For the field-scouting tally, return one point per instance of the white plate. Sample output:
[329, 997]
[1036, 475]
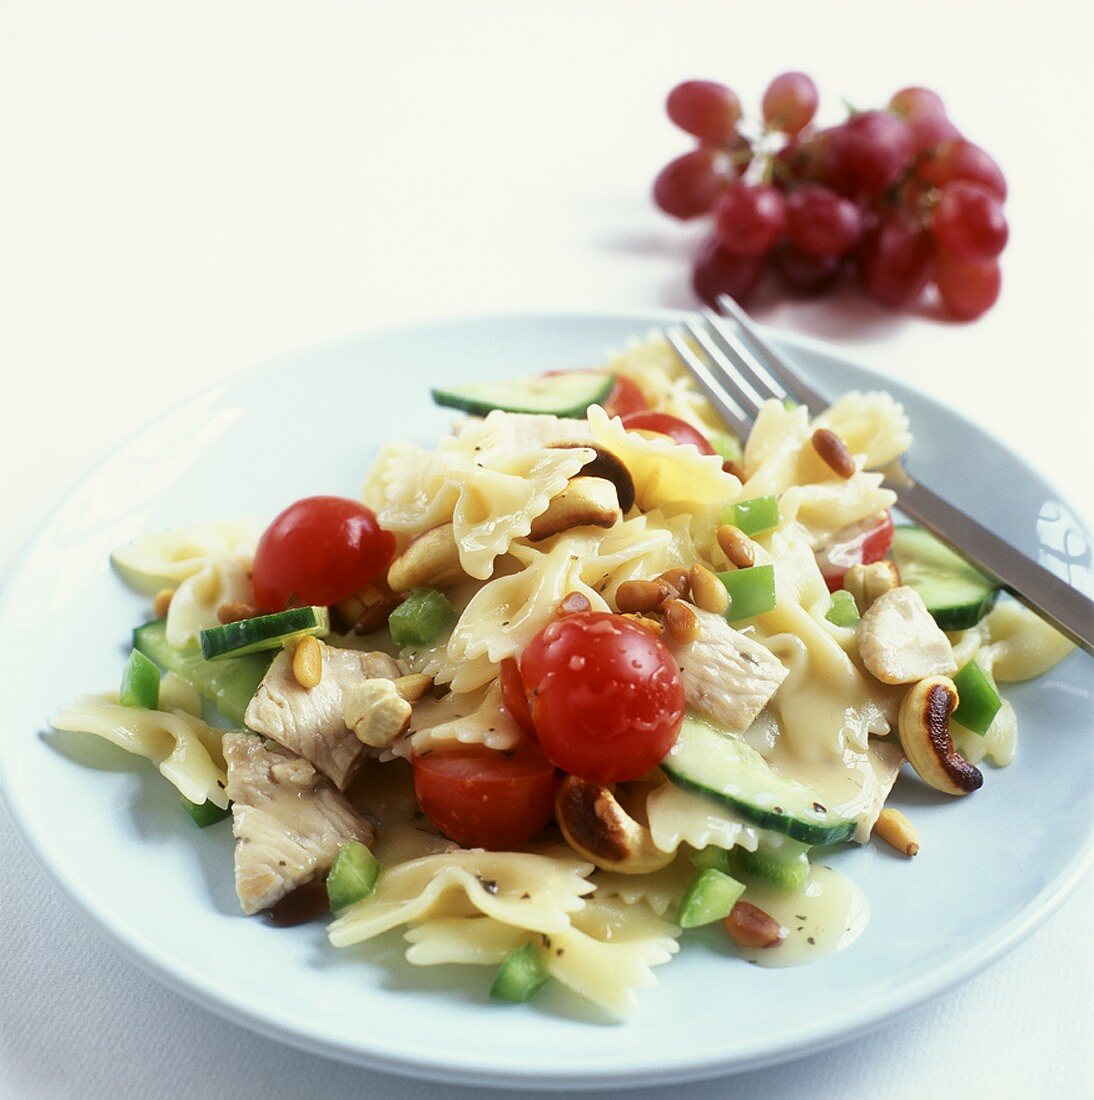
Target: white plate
[111, 832]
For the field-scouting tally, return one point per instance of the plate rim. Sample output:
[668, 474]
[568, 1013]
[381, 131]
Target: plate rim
[810, 1039]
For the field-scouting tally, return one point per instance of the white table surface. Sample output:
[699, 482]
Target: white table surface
[188, 189]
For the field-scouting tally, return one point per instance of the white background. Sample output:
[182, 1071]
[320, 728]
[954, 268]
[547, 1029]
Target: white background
[186, 189]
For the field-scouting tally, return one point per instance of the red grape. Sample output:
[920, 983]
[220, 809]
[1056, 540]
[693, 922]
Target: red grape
[961, 160]
[968, 289]
[917, 103]
[821, 222]
[705, 108]
[895, 261]
[930, 131]
[790, 103]
[720, 272]
[803, 273]
[869, 152]
[749, 218]
[968, 223]
[688, 185]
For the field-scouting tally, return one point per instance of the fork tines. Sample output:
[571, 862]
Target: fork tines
[736, 367]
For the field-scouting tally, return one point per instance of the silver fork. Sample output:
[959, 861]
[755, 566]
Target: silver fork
[738, 370]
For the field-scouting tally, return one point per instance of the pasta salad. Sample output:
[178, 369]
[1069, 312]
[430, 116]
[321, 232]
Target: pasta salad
[586, 675]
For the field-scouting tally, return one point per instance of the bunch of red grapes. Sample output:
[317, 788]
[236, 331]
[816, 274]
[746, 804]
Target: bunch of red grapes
[897, 195]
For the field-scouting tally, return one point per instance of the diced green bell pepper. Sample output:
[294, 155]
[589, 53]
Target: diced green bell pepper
[751, 591]
[421, 618]
[754, 516]
[843, 611]
[978, 701]
[140, 682]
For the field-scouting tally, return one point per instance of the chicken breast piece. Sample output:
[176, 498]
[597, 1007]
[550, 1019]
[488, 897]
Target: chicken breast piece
[899, 641]
[288, 820]
[727, 676]
[312, 721]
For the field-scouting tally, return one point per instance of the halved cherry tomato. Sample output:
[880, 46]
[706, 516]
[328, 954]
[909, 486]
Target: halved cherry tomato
[486, 799]
[680, 431]
[625, 399]
[858, 543]
[319, 551]
[513, 696]
[606, 696]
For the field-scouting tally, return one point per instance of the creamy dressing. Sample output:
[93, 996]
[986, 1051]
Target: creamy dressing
[827, 913]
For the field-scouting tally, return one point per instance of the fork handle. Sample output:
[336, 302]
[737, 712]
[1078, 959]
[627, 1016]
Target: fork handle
[1064, 606]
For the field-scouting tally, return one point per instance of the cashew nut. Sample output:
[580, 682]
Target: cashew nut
[598, 828]
[868, 582]
[376, 712]
[924, 724]
[432, 560]
[608, 466]
[585, 502]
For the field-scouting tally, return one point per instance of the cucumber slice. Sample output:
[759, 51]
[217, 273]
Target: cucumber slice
[754, 516]
[264, 632]
[520, 975]
[353, 875]
[229, 684]
[710, 897]
[205, 813]
[978, 701]
[786, 866]
[726, 768]
[140, 683]
[751, 591]
[421, 618]
[956, 593]
[566, 394]
[844, 610]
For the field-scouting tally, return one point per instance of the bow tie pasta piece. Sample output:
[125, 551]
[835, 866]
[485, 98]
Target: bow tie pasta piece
[677, 816]
[491, 479]
[162, 559]
[664, 472]
[604, 956]
[478, 718]
[825, 508]
[186, 751]
[871, 424]
[660, 891]
[826, 699]
[528, 891]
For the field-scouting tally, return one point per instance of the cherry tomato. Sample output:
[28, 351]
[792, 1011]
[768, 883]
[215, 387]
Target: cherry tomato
[513, 696]
[858, 543]
[607, 697]
[486, 799]
[319, 551]
[677, 430]
[625, 399]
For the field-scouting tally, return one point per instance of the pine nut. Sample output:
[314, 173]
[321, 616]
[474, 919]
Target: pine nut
[654, 626]
[833, 451]
[573, 603]
[749, 926]
[734, 468]
[236, 610]
[707, 591]
[681, 621]
[307, 663]
[897, 831]
[161, 603]
[366, 610]
[678, 580]
[736, 546]
[640, 595]
[414, 686]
